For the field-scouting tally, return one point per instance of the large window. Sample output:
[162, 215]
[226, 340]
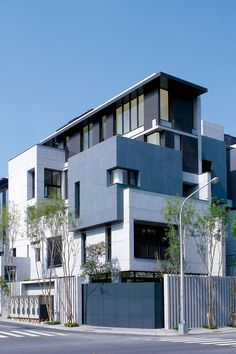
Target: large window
[54, 251]
[10, 273]
[130, 115]
[164, 105]
[103, 128]
[87, 137]
[123, 176]
[52, 183]
[149, 241]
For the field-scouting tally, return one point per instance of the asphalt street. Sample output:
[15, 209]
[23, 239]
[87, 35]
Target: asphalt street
[23, 338]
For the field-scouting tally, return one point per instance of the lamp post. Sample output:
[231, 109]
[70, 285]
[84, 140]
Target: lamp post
[183, 328]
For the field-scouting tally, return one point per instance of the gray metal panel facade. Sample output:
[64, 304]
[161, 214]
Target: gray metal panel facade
[196, 292]
[215, 151]
[160, 168]
[135, 305]
[101, 203]
[98, 203]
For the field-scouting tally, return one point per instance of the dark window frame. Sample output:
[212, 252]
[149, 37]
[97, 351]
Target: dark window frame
[127, 100]
[54, 252]
[77, 199]
[149, 240]
[108, 242]
[52, 185]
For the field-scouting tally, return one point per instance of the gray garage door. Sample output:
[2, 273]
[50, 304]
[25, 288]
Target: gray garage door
[129, 305]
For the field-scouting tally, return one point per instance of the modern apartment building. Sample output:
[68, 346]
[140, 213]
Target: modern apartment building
[116, 165]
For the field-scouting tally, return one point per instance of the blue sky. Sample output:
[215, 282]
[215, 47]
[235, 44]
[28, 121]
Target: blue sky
[59, 58]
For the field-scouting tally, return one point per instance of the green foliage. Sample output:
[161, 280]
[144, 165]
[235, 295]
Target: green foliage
[95, 261]
[9, 223]
[171, 216]
[52, 322]
[211, 326]
[73, 324]
[205, 226]
[233, 226]
[49, 216]
[3, 285]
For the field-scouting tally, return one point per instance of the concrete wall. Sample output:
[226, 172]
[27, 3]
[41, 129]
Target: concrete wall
[38, 158]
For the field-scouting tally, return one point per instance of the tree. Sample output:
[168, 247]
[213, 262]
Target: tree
[171, 216]
[51, 225]
[9, 231]
[206, 227]
[96, 261]
[233, 281]
[3, 285]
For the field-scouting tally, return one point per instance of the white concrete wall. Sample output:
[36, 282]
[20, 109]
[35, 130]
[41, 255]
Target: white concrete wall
[38, 158]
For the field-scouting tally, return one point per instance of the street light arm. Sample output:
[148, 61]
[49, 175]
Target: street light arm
[183, 329]
[213, 181]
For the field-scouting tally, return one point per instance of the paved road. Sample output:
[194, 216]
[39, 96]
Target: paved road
[21, 338]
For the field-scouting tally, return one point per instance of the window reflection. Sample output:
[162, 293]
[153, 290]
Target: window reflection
[130, 115]
[164, 105]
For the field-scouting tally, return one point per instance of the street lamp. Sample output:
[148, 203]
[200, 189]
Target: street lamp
[183, 328]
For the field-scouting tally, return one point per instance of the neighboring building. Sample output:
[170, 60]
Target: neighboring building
[3, 203]
[117, 164]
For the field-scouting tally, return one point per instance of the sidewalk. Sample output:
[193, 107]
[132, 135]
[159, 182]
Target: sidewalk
[124, 331]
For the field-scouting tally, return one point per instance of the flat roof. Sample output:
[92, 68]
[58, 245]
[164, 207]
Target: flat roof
[198, 90]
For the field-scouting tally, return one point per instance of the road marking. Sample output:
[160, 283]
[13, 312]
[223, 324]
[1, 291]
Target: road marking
[25, 333]
[11, 334]
[41, 333]
[57, 333]
[203, 341]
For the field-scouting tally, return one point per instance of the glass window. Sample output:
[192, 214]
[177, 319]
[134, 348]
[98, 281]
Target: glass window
[149, 241]
[85, 138]
[119, 124]
[140, 110]
[90, 137]
[37, 254]
[126, 118]
[83, 247]
[66, 184]
[54, 252]
[10, 273]
[103, 128]
[164, 105]
[134, 114]
[31, 184]
[52, 183]
[77, 199]
[154, 138]
[108, 243]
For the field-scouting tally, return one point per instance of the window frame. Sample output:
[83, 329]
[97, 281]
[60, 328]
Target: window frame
[48, 186]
